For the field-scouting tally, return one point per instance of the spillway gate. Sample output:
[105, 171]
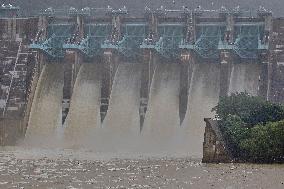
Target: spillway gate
[180, 36]
[159, 31]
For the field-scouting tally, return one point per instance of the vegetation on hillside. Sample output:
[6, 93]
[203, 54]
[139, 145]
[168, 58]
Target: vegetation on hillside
[252, 127]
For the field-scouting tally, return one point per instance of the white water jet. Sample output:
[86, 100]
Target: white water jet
[203, 96]
[245, 78]
[84, 112]
[46, 113]
[162, 117]
[121, 126]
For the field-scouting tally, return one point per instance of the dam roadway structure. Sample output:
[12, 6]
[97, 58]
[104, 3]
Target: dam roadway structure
[116, 84]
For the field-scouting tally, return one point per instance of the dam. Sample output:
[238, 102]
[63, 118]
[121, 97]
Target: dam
[100, 79]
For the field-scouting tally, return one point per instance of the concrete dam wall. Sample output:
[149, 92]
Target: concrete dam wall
[117, 84]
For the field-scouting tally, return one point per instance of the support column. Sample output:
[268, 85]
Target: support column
[108, 72]
[226, 56]
[264, 80]
[271, 68]
[116, 28]
[188, 61]
[150, 58]
[72, 63]
[78, 56]
[153, 20]
[110, 64]
[149, 65]
[268, 57]
[225, 72]
[42, 26]
[9, 28]
[186, 71]
[191, 27]
[229, 36]
[42, 33]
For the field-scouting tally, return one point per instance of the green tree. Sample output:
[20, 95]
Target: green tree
[252, 127]
[252, 110]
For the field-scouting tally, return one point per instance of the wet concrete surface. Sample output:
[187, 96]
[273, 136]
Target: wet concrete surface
[27, 169]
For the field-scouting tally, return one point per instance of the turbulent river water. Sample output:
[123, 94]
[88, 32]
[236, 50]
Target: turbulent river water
[33, 169]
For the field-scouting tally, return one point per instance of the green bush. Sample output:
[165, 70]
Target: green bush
[234, 130]
[252, 127]
[252, 110]
[265, 143]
